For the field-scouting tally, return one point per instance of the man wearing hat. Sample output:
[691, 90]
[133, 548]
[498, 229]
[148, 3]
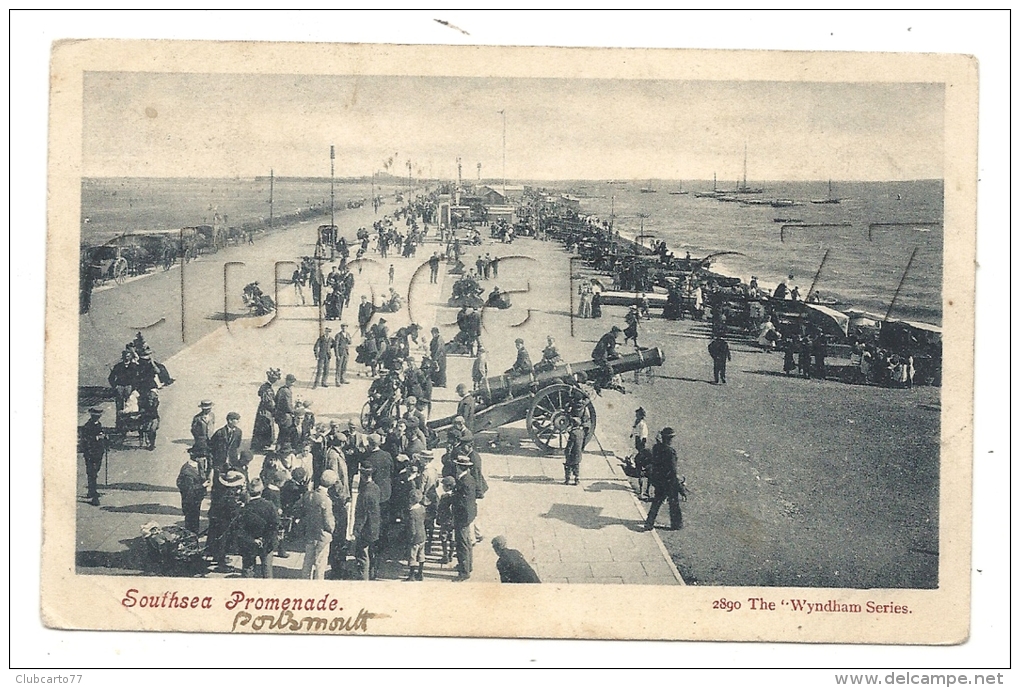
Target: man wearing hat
[94, 444]
[201, 428]
[511, 564]
[323, 351]
[367, 523]
[464, 512]
[122, 377]
[229, 492]
[382, 464]
[286, 433]
[191, 482]
[257, 532]
[522, 366]
[342, 348]
[319, 524]
[664, 479]
[225, 444]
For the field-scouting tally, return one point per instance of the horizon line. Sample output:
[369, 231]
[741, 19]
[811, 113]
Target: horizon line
[499, 182]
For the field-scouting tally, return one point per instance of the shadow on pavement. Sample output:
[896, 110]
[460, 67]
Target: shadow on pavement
[152, 509]
[526, 479]
[587, 517]
[140, 487]
[602, 486]
[134, 559]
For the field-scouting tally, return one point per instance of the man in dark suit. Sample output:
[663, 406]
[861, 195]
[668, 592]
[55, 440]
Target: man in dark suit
[225, 444]
[93, 447]
[719, 350]
[257, 532]
[365, 312]
[381, 462]
[665, 481]
[437, 352]
[342, 349]
[464, 512]
[191, 481]
[286, 434]
[201, 428]
[511, 564]
[522, 366]
[323, 351]
[367, 524]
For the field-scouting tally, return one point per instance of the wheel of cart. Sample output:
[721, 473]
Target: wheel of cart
[553, 412]
[369, 422]
[129, 424]
[119, 270]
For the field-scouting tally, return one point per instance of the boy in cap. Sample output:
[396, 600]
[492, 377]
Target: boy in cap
[94, 444]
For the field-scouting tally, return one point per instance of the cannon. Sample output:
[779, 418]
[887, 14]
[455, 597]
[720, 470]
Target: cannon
[550, 402]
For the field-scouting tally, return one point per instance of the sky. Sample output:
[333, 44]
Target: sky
[214, 125]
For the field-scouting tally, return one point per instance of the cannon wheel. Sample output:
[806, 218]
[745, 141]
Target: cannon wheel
[552, 413]
[119, 270]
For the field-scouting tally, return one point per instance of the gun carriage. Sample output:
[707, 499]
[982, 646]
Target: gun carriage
[550, 402]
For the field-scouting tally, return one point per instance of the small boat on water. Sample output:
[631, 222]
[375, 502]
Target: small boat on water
[830, 200]
[649, 188]
[783, 203]
[786, 221]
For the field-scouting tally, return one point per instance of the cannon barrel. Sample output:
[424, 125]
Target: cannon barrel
[503, 387]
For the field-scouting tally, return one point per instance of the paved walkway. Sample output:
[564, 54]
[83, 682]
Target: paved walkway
[584, 534]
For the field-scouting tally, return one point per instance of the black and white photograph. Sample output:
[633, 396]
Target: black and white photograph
[514, 322]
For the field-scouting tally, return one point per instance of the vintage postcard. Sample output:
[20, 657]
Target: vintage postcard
[509, 342]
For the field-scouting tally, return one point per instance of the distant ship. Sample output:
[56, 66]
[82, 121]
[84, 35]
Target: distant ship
[709, 194]
[743, 188]
[648, 189]
[679, 190]
[831, 199]
[784, 203]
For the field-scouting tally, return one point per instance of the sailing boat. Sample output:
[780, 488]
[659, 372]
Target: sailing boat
[743, 188]
[830, 199]
[709, 194]
[648, 189]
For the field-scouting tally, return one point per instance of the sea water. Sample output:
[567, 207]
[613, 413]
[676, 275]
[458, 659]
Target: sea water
[882, 241]
[880, 246]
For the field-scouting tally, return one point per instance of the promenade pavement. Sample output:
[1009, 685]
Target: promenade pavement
[571, 534]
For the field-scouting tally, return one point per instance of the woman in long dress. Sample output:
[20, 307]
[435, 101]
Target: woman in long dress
[262, 434]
